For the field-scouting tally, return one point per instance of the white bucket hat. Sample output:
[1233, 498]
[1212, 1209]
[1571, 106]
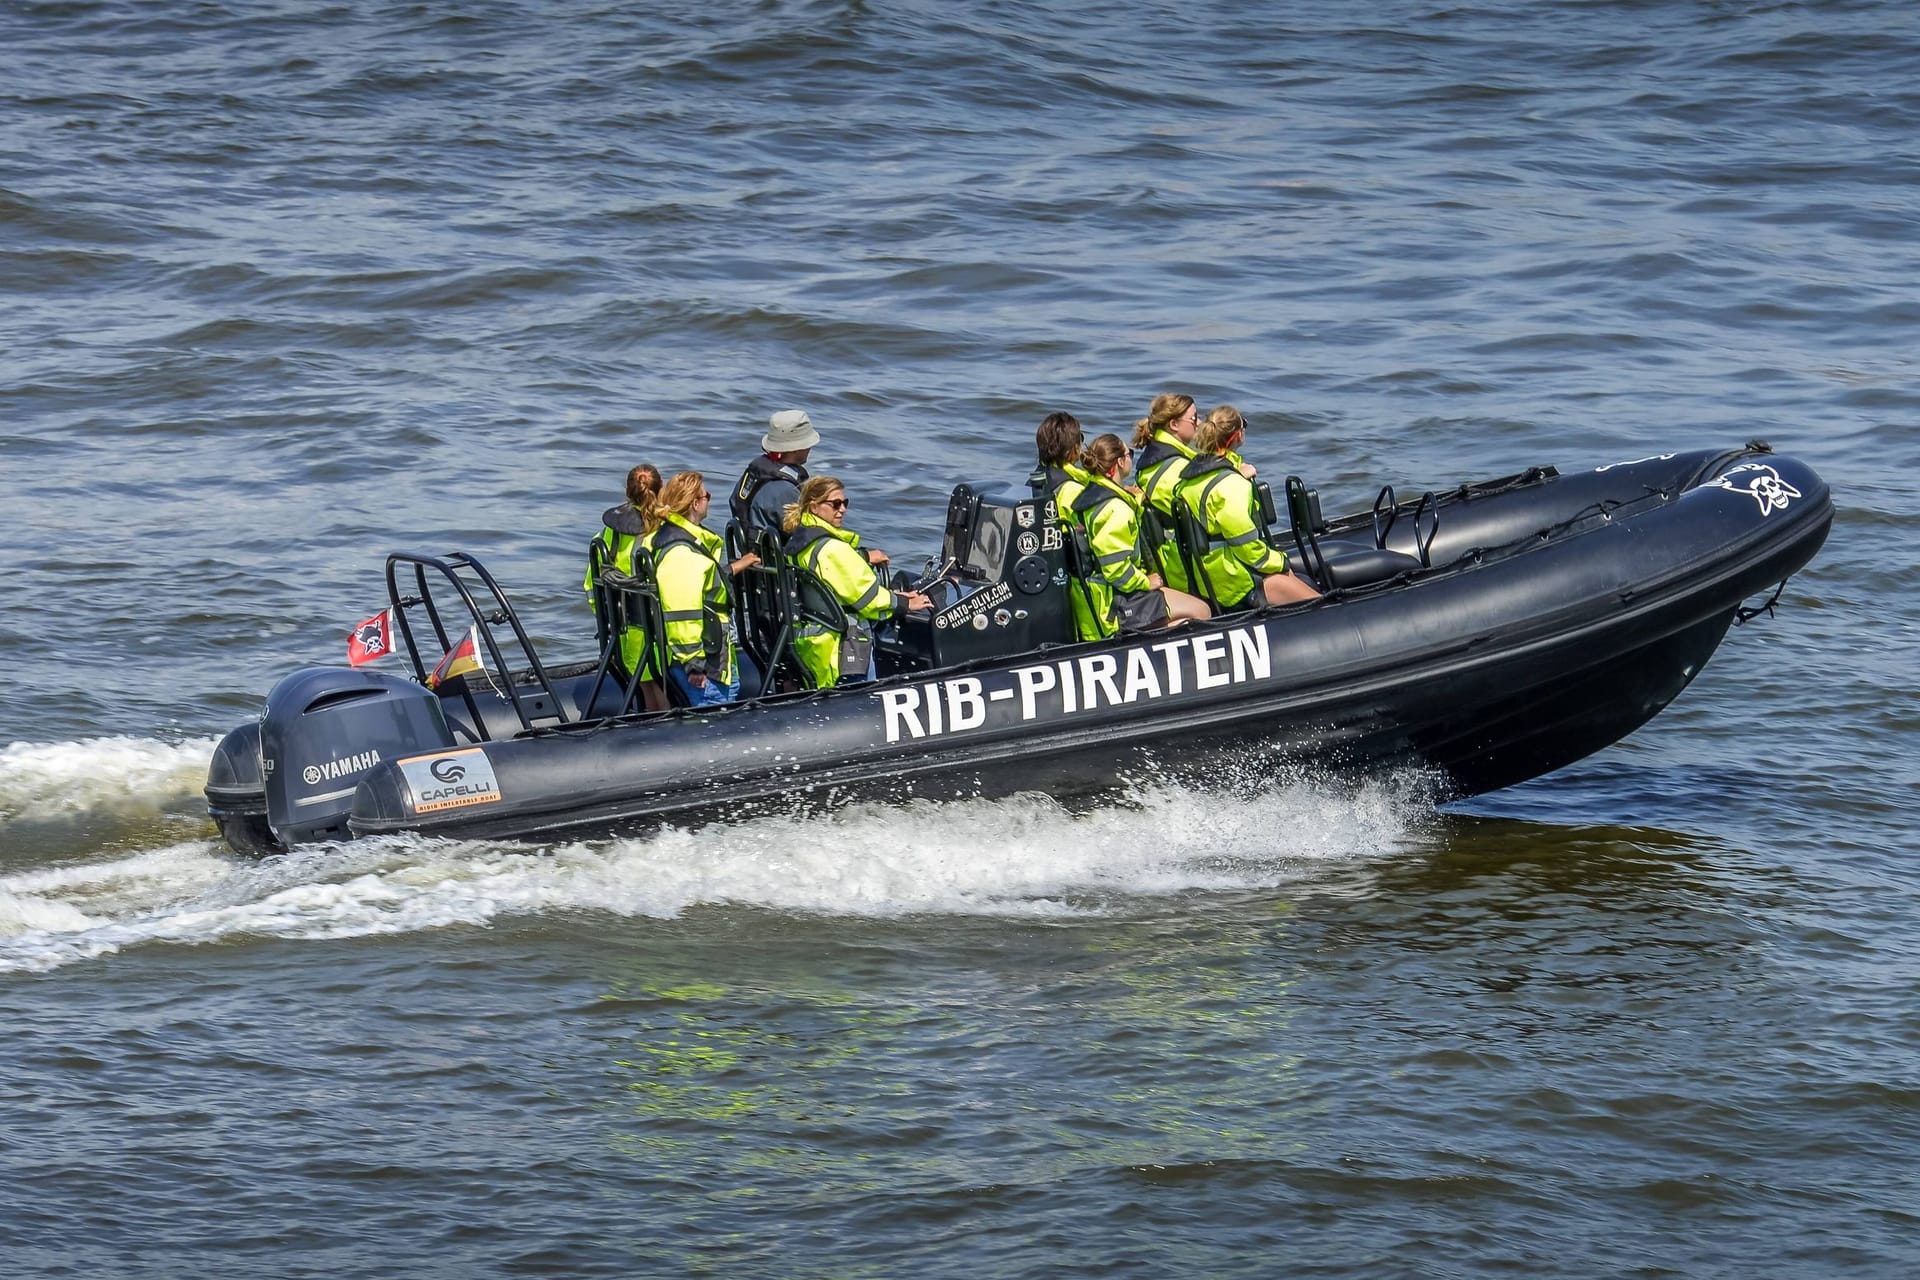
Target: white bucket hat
[789, 431]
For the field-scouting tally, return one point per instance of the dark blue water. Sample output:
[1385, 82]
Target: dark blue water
[285, 288]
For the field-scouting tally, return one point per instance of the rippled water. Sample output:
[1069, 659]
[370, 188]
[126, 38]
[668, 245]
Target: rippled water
[286, 288]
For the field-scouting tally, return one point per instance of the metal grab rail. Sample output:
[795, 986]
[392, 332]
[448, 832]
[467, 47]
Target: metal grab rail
[1386, 510]
[451, 568]
[1360, 567]
[1429, 510]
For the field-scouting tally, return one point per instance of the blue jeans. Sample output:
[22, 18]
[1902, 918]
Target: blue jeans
[711, 694]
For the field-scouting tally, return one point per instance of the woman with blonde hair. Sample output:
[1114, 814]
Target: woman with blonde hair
[1239, 569]
[694, 577]
[1227, 418]
[819, 542]
[1162, 438]
[1127, 595]
[1162, 441]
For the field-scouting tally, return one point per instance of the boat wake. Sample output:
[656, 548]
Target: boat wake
[1021, 856]
[50, 781]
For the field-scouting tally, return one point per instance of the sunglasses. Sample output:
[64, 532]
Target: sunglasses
[838, 504]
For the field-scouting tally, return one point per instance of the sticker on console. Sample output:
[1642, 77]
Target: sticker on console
[450, 780]
[963, 611]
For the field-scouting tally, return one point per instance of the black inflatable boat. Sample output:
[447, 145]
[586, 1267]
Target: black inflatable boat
[1489, 634]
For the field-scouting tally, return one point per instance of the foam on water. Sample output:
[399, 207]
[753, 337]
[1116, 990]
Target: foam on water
[42, 780]
[1021, 856]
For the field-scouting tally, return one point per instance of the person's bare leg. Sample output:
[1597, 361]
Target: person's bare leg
[1284, 588]
[1184, 608]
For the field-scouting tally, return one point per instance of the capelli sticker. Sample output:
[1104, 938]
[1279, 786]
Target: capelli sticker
[450, 780]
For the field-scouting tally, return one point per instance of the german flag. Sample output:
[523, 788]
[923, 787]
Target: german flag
[462, 658]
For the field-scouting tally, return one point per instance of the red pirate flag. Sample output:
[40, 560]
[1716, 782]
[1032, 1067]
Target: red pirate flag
[370, 641]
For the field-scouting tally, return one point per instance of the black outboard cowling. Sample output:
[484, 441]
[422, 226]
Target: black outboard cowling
[237, 792]
[322, 729]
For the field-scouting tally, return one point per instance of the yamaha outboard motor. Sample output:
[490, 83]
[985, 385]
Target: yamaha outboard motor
[290, 778]
[237, 793]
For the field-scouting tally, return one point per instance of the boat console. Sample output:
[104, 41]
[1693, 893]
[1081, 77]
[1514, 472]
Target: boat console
[999, 587]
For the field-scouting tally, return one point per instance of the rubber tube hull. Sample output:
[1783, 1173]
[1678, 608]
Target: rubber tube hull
[1568, 612]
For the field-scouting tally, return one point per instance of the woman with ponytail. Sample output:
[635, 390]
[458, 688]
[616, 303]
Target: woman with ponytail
[1162, 441]
[1240, 570]
[1226, 419]
[1126, 595]
[622, 527]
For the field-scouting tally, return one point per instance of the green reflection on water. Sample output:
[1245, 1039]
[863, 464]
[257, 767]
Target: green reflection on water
[1058, 1051]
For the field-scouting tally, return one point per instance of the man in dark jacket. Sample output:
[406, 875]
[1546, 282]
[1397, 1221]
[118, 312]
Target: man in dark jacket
[772, 481]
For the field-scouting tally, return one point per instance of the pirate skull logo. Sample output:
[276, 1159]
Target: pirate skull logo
[372, 637]
[1760, 482]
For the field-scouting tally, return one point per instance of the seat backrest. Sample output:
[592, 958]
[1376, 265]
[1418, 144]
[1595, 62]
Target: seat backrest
[772, 600]
[738, 541]
[627, 598]
[1191, 537]
[645, 607]
[805, 601]
[1079, 550]
[1156, 534]
[620, 593]
[1302, 507]
[1082, 568]
[605, 605]
[759, 600]
[814, 601]
[1264, 511]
